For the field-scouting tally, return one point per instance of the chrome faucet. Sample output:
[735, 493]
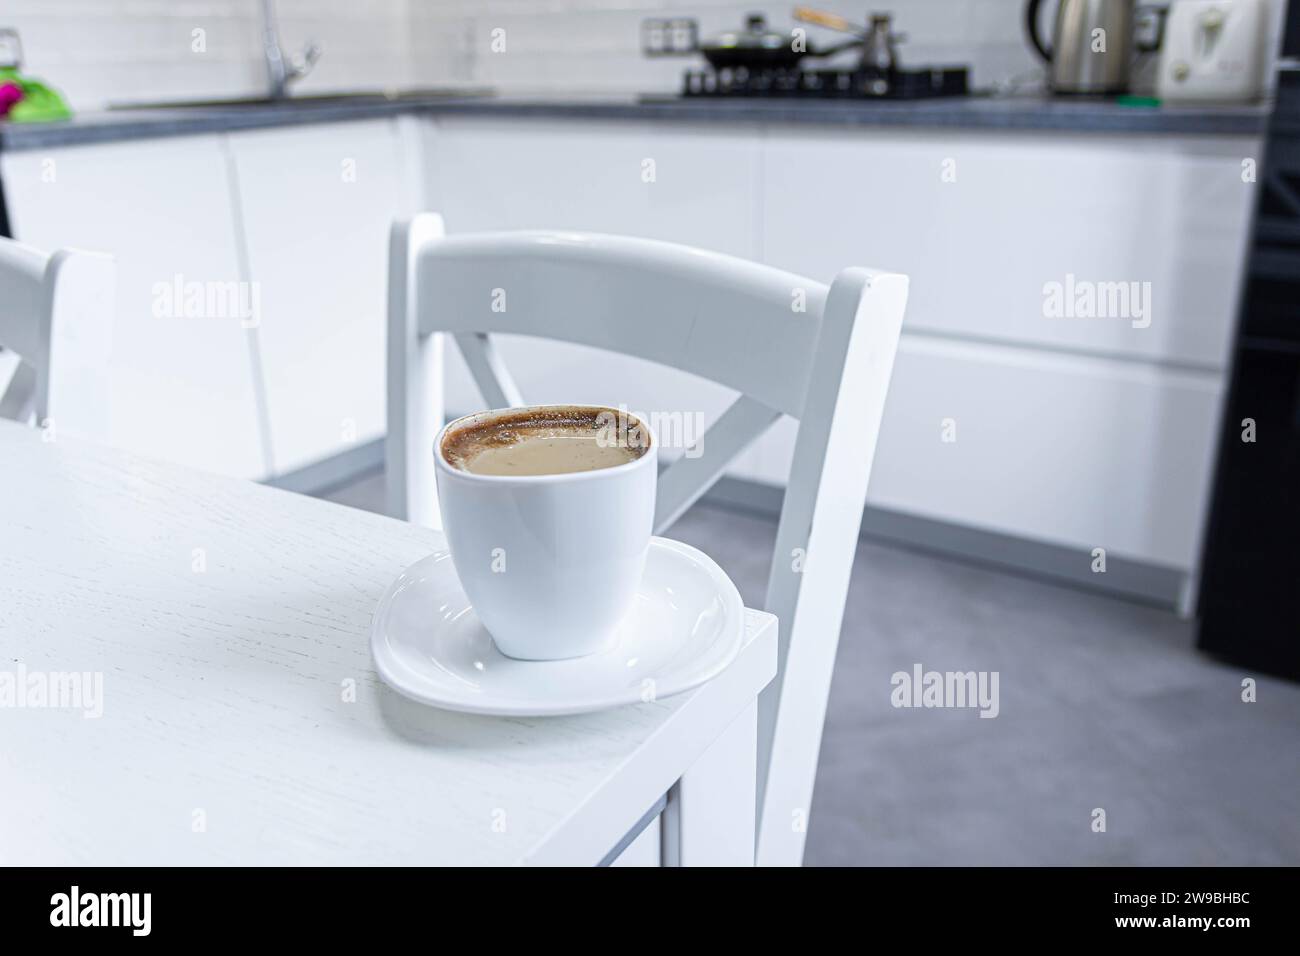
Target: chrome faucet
[279, 73]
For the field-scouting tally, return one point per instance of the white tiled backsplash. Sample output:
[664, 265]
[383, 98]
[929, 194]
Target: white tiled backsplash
[99, 51]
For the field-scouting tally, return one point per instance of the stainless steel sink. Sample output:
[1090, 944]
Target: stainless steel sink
[308, 101]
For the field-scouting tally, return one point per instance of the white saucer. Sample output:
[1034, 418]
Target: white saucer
[686, 626]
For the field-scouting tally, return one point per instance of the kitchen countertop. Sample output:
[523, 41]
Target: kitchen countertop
[974, 112]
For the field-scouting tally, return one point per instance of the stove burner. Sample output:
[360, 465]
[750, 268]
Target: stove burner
[828, 84]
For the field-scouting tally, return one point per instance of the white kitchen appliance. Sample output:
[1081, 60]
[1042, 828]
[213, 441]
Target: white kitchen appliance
[1213, 50]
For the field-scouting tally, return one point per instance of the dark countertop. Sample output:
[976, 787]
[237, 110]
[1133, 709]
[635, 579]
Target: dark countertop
[970, 113]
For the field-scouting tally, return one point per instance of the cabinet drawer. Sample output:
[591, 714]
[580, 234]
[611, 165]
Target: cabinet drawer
[984, 223]
[1076, 451]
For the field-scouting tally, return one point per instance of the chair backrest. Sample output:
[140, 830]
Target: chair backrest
[788, 345]
[56, 319]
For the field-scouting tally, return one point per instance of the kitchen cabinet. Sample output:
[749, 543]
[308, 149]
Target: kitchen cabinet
[182, 386]
[316, 204]
[1080, 430]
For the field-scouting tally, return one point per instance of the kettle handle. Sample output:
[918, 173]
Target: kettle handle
[1031, 29]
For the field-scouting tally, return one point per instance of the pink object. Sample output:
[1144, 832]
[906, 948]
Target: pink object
[10, 93]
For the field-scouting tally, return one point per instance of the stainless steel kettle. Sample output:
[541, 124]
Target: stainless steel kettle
[1092, 44]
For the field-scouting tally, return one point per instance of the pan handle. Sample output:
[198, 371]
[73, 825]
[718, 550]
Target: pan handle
[830, 21]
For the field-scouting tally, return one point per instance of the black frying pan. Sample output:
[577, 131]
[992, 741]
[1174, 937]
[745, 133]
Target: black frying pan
[758, 48]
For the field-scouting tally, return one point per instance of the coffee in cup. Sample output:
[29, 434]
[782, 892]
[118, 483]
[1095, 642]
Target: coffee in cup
[552, 440]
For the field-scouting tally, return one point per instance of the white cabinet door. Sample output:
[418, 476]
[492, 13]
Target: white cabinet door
[686, 184]
[1073, 450]
[182, 384]
[984, 222]
[317, 203]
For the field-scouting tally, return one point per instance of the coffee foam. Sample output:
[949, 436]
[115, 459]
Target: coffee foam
[463, 443]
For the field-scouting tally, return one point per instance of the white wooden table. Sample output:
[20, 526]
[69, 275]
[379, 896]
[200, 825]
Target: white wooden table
[242, 721]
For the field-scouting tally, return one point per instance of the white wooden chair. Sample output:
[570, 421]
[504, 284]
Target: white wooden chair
[721, 318]
[56, 317]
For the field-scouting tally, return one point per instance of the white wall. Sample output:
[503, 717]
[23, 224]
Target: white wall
[98, 51]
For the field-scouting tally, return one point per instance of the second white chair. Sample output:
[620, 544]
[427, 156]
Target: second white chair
[56, 319]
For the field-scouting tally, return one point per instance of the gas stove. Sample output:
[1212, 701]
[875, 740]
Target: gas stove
[760, 62]
[798, 83]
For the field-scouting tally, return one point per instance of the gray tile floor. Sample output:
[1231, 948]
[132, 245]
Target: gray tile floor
[1103, 704]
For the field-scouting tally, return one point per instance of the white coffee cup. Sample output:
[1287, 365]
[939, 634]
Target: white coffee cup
[551, 563]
